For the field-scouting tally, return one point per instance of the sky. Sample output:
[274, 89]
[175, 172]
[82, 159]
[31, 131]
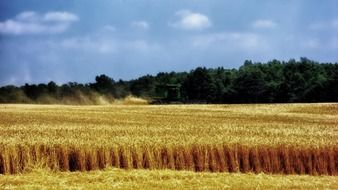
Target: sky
[75, 40]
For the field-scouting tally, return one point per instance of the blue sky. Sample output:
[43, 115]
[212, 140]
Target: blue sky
[75, 40]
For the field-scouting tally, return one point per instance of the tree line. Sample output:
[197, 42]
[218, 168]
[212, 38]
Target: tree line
[276, 81]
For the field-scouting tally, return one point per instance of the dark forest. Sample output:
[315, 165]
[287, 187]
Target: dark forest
[276, 81]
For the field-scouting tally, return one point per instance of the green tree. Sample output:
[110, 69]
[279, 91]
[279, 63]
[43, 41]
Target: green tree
[199, 86]
[250, 84]
[104, 85]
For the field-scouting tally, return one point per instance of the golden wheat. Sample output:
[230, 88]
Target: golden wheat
[275, 138]
[161, 179]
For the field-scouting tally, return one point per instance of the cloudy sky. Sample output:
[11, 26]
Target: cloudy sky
[75, 40]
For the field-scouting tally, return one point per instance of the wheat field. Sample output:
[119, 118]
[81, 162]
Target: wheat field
[113, 178]
[269, 138]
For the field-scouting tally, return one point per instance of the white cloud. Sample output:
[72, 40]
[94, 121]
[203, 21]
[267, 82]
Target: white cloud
[311, 44]
[90, 44]
[264, 24]
[325, 25]
[15, 27]
[107, 44]
[233, 40]
[30, 22]
[140, 24]
[109, 28]
[60, 17]
[188, 20]
[27, 16]
[140, 46]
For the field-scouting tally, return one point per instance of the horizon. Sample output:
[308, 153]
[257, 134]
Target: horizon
[64, 41]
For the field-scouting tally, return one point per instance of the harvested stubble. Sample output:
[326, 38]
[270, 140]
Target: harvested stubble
[218, 138]
[113, 178]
